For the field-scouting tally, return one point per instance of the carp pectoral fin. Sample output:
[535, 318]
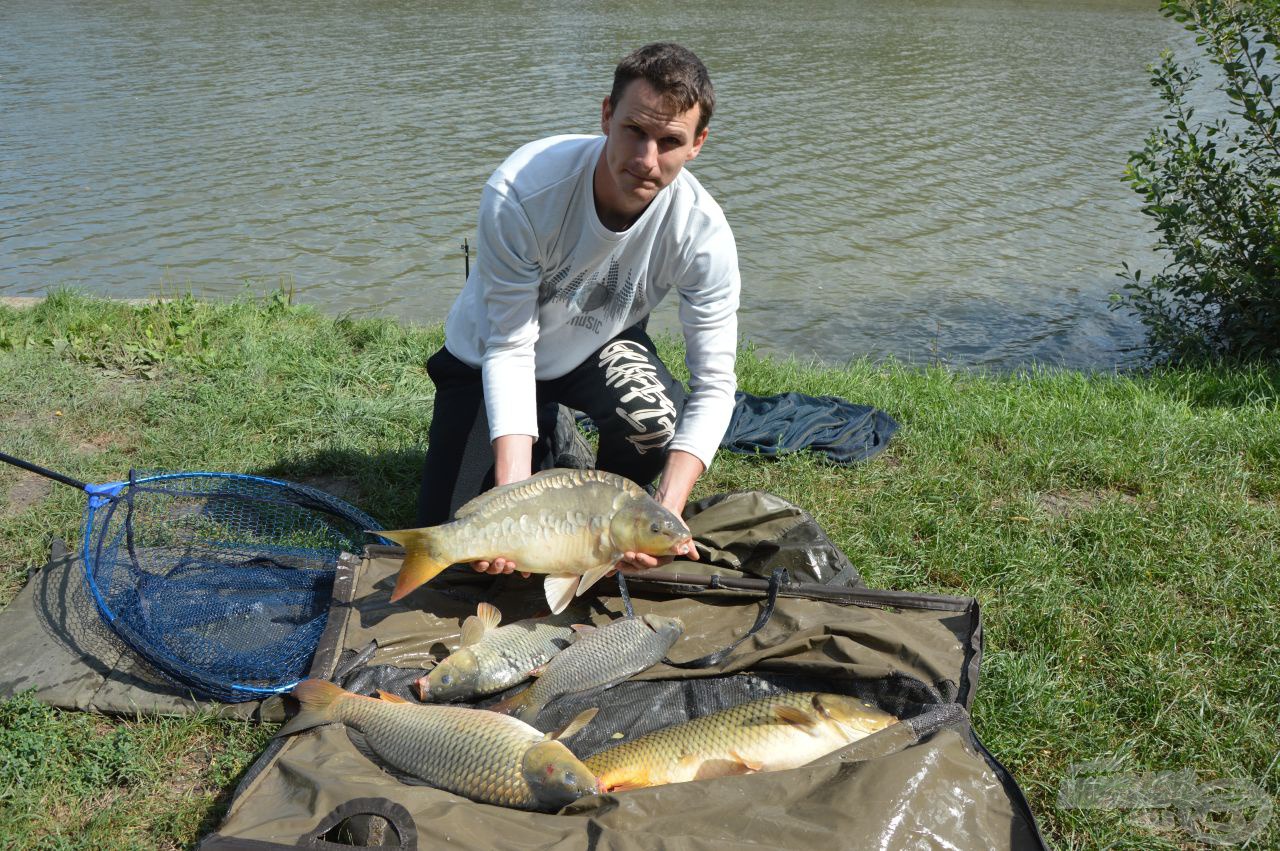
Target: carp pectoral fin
[487, 617]
[472, 631]
[391, 698]
[710, 769]
[581, 720]
[625, 779]
[559, 588]
[746, 761]
[581, 629]
[592, 576]
[511, 705]
[489, 614]
[795, 717]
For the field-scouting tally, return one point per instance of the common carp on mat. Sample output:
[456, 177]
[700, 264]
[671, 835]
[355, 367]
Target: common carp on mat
[482, 755]
[767, 734]
[602, 657]
[492, 658]
[572, 525]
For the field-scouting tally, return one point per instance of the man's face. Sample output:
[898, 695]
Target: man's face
[647, 144]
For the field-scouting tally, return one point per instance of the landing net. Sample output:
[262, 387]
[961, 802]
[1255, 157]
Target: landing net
[220, 581]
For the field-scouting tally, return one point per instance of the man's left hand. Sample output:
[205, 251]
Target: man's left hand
[640, 562]
[678, 476]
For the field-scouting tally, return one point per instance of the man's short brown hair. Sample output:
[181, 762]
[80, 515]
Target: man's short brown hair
[675, 72]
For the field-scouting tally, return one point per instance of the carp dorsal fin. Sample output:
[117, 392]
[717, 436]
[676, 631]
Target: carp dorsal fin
[391, 698]
[579, 721]
[622, 483]
[592, 576]
[487, 617]
[559, 588]
[474, 504]
[538, 482]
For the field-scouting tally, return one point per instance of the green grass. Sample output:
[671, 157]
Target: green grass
[1120, 532]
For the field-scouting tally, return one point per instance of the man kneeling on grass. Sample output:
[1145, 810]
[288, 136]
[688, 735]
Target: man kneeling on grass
[579, 238]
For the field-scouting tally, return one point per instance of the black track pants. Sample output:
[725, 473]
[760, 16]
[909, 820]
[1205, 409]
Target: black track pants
[629, 393]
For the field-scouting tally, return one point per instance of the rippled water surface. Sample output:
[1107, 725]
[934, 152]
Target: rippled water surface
[922, 178]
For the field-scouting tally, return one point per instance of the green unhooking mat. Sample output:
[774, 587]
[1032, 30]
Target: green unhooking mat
[924, 783]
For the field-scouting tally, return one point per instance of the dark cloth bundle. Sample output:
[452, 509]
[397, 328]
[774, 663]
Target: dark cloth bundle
[788, 422]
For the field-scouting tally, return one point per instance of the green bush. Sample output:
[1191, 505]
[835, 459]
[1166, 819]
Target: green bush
[1211, 187]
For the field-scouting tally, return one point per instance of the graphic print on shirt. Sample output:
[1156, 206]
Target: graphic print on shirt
[587, 293]
[626, 365]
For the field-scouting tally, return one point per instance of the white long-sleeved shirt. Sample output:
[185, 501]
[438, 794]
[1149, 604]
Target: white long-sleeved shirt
[551, 285]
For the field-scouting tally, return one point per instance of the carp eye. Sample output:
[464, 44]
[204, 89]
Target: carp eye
[655, 528]
[447, 679]
[569, 779]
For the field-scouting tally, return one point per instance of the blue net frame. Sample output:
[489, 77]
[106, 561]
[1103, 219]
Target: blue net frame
[221, 581]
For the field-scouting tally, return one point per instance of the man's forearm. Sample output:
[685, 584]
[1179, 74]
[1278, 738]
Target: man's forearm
[678, 478]
[513, 458]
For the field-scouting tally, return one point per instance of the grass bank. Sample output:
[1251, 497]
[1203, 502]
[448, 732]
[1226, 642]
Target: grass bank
[1120, 531]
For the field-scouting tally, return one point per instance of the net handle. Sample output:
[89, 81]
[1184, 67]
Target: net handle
[42, 471]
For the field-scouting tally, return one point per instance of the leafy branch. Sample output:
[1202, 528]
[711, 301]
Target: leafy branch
[1212, 192]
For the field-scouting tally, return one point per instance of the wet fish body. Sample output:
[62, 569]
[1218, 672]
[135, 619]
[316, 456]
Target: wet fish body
[602, 657]
[492, 658]
[482, 755]
[572, 525]
[768, 734]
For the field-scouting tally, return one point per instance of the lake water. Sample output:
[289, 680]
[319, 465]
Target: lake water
[918, 178]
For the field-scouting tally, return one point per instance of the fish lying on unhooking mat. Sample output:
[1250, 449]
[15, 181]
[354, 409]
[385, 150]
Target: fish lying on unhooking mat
[573, 525]
[604, 656]
[492, 658]
[768, 734]
[481, 755]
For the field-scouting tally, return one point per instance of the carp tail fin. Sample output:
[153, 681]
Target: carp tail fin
[422, 559]
[317, 698]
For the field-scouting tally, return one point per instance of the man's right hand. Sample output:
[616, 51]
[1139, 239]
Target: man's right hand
[498, 565]
[512, 462]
